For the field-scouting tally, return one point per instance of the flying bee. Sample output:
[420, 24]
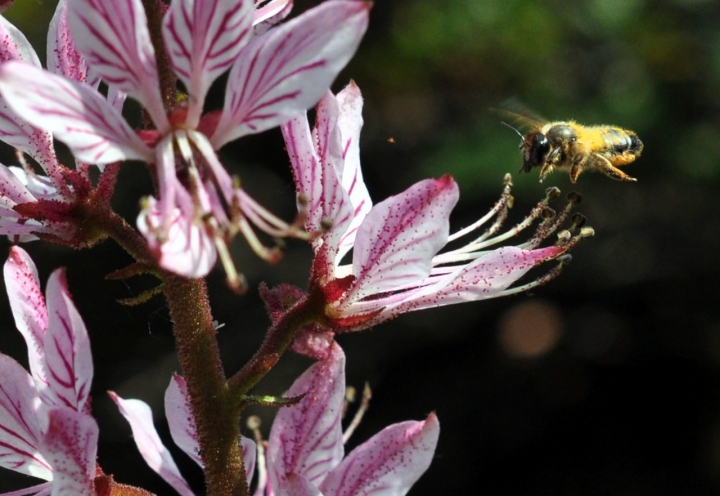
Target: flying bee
[567, 145]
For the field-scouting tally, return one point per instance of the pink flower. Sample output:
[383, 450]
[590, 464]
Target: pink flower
[396, 265]
[271, 77]
[182, 429]
[45, 427]
[21, 186]
[305, 451]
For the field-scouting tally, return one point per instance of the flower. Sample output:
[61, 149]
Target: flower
[182, 429]
[396, 265]
[45, 427]
[271, 76]
[305, 454]
[34, 205]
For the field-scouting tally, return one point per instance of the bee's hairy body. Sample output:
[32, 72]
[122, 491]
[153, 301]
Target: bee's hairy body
[567, 145]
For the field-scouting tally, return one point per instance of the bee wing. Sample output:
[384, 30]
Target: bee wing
[519, 115]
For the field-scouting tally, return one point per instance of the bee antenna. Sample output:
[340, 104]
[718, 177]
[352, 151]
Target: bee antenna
[518, 132]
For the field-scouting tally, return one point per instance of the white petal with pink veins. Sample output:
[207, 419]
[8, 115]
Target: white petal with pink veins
[28, 308]
[14, 45]
[13, 129]
[75, 113]
[20, 433]
[62, 55]
[71, 446]
[154, 453]
[388, 464]
[398, 238]
[203, 39]
[484, 278]
[350, 123]
[270, 14]
[306, 438]
[67, 349]
[113, 37]
[184, 248]
[288, 69]
[297, 485]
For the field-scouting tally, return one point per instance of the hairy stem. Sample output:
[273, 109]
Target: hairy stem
[215, 415]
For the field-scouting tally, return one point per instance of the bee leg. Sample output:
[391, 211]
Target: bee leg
[603, 165]
[578, 166]
[545, 171]
[575, 171]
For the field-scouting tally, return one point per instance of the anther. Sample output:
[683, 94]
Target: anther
[578, 220]
[563, 237]
[574, 197]
[587, 232]
[564, 259]
[548, 213]
[507, 180]
[552, 192]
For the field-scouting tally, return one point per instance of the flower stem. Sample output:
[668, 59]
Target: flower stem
[216, 415]
[216, 418]
[277, 340]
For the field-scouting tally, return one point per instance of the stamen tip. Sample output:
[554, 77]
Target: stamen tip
[564, 237]
[587, 232]
[552, 192]
[507, 180]
[574, 197]
[253, 422]
[564, 259]
[578, 220]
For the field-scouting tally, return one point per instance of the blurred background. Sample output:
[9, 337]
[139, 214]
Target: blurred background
[606, 380]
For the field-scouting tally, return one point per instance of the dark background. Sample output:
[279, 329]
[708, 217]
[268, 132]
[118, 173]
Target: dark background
[605, 381]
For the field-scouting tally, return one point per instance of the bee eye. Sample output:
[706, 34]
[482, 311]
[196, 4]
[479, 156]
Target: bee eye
[540, 150]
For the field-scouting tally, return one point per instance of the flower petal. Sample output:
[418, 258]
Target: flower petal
[20, 432]
[398, 238]
[289, 68]
[13, 129]
[71, 445]
[75, 113]
[297, 485]
[203, 39]
[350, 123]
[306, 438]
[67, 349]
[28, 308]
[483, 278]
[180, 418]
[138, 414]
[388, 464]
[270, 14]
[182, 425]
[62, 53]
[317, 180]
[184, 248]
[113, 37]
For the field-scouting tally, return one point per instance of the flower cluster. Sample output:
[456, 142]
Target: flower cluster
[402, 256]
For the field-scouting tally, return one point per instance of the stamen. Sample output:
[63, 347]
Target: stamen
[253, 423]
[364, 405]
[500, 206]
[236, 281]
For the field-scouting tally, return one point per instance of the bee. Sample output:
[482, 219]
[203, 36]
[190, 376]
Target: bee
[567, 145]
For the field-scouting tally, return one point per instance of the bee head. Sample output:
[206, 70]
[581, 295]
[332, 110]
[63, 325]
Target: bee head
[535, 149]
